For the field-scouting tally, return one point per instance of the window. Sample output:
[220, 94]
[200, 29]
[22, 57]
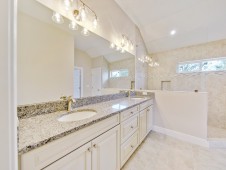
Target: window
[119, 73]
[202, 66]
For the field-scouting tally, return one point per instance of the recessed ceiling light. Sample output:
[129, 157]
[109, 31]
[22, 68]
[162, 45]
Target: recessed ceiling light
[173, 32]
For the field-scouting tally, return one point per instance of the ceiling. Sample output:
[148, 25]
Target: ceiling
[195, 21]
[93, 44]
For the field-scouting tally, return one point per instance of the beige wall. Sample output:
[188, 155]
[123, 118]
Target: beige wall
[212, 82]
[83, 60]
[122, 82]
[45, 61]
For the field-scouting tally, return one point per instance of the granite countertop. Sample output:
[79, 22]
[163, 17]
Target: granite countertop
[42, 129]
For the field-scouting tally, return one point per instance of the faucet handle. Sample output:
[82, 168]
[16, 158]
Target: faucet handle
[63, 97]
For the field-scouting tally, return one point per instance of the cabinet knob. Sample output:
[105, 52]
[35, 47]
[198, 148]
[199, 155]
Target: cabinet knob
[148, 110]
[95, 145]
[132, 127]
[131, 113]
[132, 146]
[89, 149]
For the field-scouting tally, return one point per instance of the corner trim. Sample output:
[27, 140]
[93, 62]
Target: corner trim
[182, 136]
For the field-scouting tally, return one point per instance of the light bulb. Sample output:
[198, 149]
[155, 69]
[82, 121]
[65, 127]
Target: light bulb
[95, 23]
[122, 50]
[83, 13]
[123, 41]
[118, 48]
[85, 32]
[112, 46]
[57, 18]
[73, 25]
[67, 4]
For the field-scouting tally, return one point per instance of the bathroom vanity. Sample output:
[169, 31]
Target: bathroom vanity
[104, 141]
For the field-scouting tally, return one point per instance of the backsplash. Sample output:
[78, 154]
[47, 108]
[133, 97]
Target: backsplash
[25, 111]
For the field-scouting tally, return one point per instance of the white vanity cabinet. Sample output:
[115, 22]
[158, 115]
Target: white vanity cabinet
[80, 159]
[96, 147]
[150, 113]
[146, 119]
[100, 154]
[106, 151]
[143, 124]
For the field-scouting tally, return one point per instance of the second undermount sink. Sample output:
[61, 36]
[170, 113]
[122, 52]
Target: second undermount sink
[77, 115]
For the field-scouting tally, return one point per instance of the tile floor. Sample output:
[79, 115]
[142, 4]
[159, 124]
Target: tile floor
[160, 152]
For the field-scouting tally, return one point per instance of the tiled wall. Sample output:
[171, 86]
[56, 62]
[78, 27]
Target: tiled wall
[212, 82]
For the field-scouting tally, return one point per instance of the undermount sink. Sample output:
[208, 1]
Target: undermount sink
[77, 115]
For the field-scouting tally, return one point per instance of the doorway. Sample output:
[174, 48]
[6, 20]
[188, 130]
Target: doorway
[96, 81]
[78, 85]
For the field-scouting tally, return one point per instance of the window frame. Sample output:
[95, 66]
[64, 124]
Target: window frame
[200, 66]
[119, 71]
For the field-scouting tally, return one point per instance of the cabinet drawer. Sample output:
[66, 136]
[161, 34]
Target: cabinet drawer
[129, 113]
[128, 127]
[146, 104]
[129, 147]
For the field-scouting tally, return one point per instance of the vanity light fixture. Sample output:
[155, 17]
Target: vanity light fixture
[149, 61]
[95, 22]
[73, 25]
[123, 50]
[112, 45]
[83, 12]
[85, 32]
[57, 18]
[68, 4]
[118, 48]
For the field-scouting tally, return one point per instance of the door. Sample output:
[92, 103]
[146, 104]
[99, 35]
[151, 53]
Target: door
[106, 151]
[143, 124]
[80, 159]
[77, 82]
[96, 81]
[149, 118]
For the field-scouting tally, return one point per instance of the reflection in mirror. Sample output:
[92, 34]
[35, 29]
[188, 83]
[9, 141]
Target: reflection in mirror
[54, 61]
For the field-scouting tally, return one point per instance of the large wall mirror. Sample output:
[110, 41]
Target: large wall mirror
[54, 61]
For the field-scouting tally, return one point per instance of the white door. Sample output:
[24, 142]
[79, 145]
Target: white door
[106, 151]
[80, 159]
[96, 81]
[143, 124]
[77, 82]
[149, 118]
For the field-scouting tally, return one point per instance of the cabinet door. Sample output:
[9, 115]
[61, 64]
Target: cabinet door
[105, 152]
[80, 159]
[143, 124]
[149, 118]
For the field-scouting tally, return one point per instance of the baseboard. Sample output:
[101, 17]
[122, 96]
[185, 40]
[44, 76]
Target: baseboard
[219, 143]
[182, 136]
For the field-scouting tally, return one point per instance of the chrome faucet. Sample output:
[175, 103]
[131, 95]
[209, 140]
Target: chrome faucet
[70, 101]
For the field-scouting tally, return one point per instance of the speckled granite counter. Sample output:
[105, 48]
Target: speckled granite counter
[42, 129]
